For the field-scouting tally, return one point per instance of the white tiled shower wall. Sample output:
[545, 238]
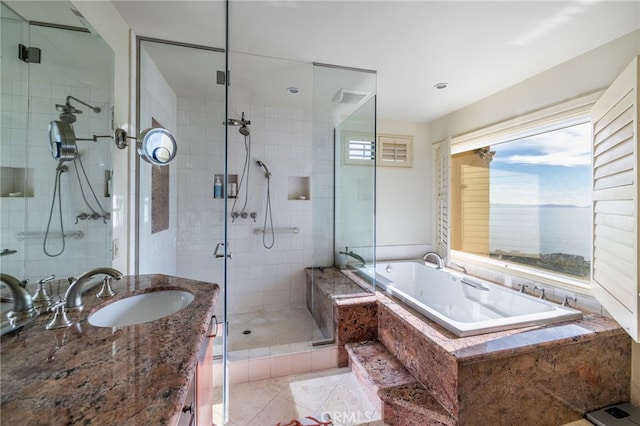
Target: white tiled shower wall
[283, 138]
[28, 105]
[94, 248]
[159, 102]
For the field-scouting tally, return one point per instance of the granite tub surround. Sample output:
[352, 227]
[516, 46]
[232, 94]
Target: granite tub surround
[548, 375]
[324, 285]
[129, 375]
[356, 321]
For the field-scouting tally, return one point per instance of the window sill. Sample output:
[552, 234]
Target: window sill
[509, 270]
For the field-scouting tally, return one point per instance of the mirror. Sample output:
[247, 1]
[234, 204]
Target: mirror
[62, 141]
[157, 146]
[72, 82]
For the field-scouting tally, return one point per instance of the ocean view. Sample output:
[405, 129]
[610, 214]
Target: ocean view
[534, 229]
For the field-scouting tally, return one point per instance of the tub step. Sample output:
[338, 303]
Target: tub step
[402, 400]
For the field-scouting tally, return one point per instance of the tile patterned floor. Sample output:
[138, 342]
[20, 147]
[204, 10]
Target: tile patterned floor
[267, 402]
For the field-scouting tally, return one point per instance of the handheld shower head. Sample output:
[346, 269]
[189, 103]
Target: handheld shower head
[267, 174]
[244, 130]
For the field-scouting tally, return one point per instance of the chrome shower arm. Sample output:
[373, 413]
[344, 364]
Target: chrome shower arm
[95, 109]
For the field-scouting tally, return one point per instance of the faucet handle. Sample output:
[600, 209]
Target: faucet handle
[566, 300]
[60, 318]
[106, 292]
[542, 292]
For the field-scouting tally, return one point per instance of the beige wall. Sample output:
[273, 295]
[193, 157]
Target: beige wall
[588, 73]
[403, 199]
[104, 18]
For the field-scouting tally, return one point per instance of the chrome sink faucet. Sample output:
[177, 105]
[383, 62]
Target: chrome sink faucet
[439, 261]
[22, 303]
[73, 296]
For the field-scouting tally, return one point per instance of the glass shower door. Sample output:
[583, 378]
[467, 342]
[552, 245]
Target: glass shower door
[181, 217]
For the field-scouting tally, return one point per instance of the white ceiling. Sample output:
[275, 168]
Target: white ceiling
[478, 47]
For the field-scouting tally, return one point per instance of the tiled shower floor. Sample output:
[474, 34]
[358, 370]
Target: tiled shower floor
[271, 328]
[280, 344]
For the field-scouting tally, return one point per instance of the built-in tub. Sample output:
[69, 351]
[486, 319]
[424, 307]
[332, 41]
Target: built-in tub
[464, 305]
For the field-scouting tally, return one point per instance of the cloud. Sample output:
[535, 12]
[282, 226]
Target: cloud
[570, 147]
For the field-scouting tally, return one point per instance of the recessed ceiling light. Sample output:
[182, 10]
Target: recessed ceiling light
[441, 86]
[293, 90]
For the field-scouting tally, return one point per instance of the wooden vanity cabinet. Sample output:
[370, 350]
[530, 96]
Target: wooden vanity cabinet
[204, 378]
[198, 406]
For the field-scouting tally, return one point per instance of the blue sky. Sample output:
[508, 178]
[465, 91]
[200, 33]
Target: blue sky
[550, 168]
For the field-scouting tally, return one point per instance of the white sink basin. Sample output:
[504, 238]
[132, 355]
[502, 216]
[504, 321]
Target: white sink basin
[141, 308]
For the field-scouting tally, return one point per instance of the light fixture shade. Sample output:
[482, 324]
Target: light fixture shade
[62, 141]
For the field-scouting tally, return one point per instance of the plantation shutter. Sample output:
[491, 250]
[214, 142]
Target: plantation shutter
[615, 200]
[395, 151]
[441, 159]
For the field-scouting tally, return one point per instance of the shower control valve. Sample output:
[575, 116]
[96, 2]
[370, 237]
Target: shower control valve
[253, 216]
[244, 215]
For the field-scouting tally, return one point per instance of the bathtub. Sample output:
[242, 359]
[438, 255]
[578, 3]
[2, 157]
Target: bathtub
[464, 305]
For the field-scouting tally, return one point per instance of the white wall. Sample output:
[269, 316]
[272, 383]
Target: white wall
[404, 199]
[159, 102]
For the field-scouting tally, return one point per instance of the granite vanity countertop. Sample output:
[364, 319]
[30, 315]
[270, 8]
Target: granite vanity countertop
[133, 375]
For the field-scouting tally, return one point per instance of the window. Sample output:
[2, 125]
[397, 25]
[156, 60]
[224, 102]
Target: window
[527, 201]
[359, 148]
[519, 196]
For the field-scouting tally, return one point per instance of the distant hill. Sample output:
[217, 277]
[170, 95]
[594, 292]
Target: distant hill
[539, 205]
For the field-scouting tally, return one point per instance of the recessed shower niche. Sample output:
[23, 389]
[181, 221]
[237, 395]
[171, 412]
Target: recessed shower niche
[16, 182]
[228, 186]
[299, 188]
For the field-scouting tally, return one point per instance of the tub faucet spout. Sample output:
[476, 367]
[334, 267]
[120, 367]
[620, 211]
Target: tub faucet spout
[354, 255]
[436, 256]
[22, 303]
[73, 296]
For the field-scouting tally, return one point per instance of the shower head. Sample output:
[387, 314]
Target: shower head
[68, 117]
[68, 111]
[267, 174]
[244, 130]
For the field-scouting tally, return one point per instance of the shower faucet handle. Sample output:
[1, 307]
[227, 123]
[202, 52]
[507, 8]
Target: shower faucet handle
[216, 253]
[253, 216]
